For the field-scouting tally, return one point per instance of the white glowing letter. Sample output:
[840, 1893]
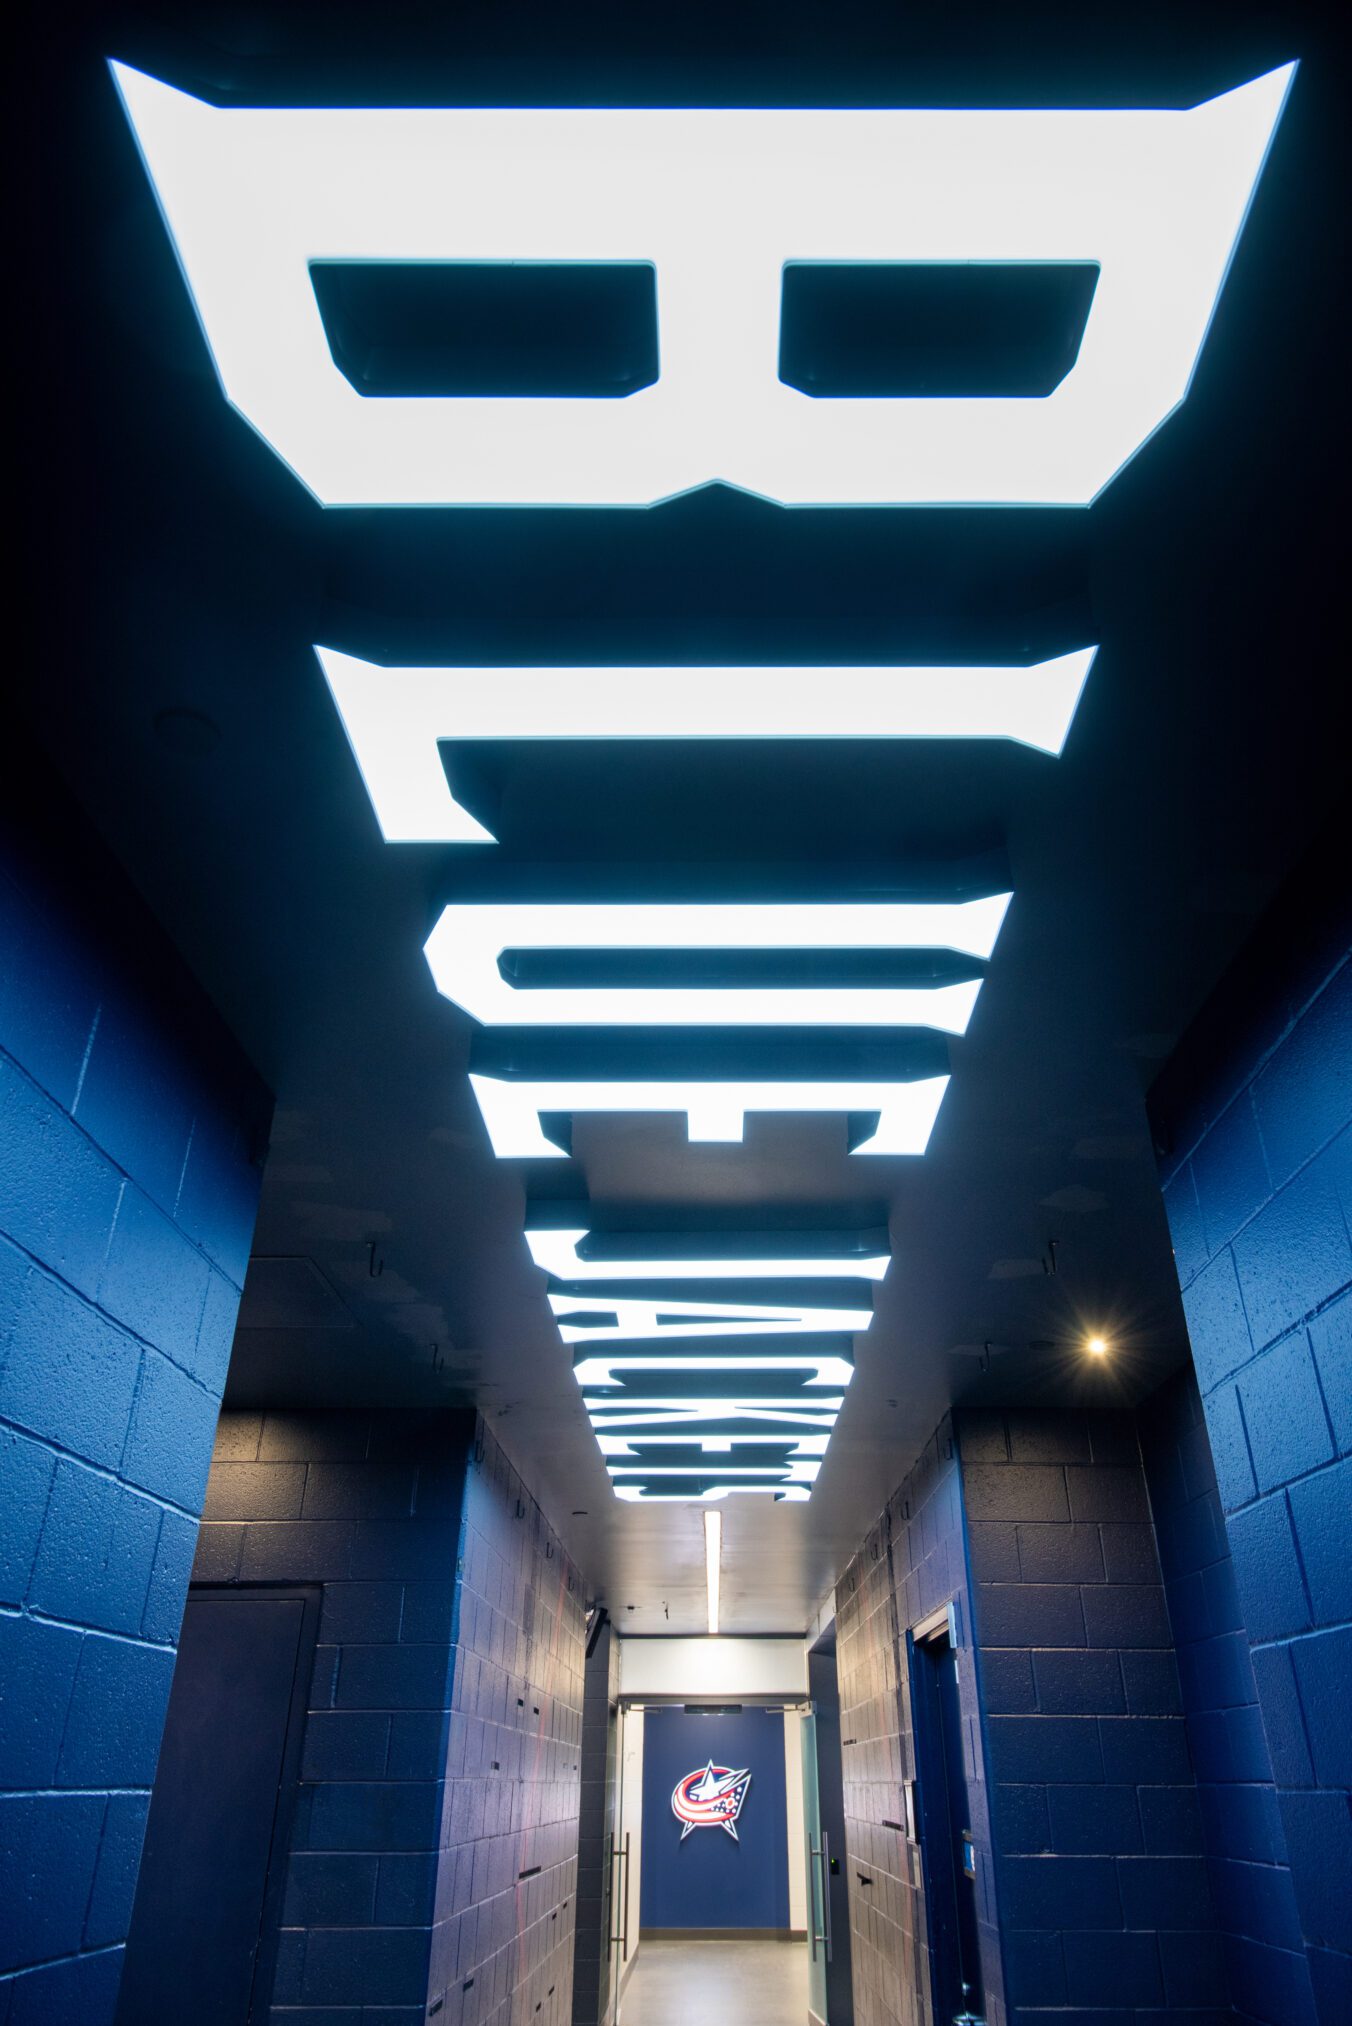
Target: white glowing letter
[464, 949]
[395, 717]
[717, 202]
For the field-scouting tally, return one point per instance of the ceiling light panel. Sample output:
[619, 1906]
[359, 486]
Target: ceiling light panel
[394, 717]
[719, 202]
[714, 1111]
[464, 949]
[831, 1255]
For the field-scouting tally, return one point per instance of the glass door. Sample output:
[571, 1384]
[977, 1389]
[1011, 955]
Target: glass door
[818, 1880]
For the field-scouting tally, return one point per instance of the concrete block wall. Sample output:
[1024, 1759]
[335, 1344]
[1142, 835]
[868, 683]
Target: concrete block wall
[1258, 1926]
[1104, 1898]
[1252, 1119]
[433, 1855]
[912, 1562]
[596, 1872]
[130, 1132]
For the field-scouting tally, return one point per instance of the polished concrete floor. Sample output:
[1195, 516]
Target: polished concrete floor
[733, 1983]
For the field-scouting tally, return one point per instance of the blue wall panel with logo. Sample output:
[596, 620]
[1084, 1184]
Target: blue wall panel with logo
[710, 1881]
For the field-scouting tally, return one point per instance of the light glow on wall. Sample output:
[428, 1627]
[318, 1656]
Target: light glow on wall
[464, 949]
[719, 202]
[394, 717]
[715, 1112]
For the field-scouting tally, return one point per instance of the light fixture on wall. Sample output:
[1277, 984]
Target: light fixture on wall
[1097, 1346]
[713, 1548]
[717, 203]
[397, 718]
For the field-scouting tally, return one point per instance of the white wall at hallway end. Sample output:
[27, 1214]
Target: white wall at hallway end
[793, 1808]
[740, 1669]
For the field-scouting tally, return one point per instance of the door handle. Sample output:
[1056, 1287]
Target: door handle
[624, 1945]
[826, 1892]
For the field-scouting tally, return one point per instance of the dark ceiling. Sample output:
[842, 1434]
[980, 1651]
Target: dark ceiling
[181, 576]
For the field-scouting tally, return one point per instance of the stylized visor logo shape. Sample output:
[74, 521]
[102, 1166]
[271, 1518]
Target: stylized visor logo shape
[719, 203]
[711, 1798]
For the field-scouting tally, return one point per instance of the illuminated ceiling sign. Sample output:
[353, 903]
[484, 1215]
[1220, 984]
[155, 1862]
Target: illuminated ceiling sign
[576, 1254]
[715, 1111]
[395, 717]
[710, 1798]
[468, 949]
[797, 1377]
[719, 205]
[594, 1317]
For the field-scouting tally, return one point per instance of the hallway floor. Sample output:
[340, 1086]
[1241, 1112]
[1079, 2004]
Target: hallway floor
[732, 1983]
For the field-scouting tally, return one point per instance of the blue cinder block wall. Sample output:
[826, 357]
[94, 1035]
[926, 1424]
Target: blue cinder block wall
[1252, 1119]
[130, 1130]
[433, 1859]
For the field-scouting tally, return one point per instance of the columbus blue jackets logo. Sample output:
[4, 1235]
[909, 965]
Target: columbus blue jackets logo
[710, 1799]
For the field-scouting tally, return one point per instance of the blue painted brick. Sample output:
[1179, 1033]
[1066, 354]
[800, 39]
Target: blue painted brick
[1122, 1614]
[1151, 1683]
[1194, 1968]
[993, 1550]
[116, 1714]
[1331, 1343]
[1029, 1614]
[58, 1195]
[218, 1196]
[1284, 1413]
[1283, 1718]
[1145, 1749]
[1216, 1673]
[1066, 1892]
[1218, 1328]
[1164, 1892]
[1106, 1491]
[1259, 1900]
[1230, 1173]
[254, 1491]
[406, 1893]
[1275, 1982]
[1036, 1437]
[1078, 1684]
[359, 1491]
[1022, 1823]
[136, 1099]
[387, 1549]
[327, 1890]
[1267, 1570]
[82, 1987]
[1223, 1612]
[1025, 1491]
[1296, 1254]
[169, 1442]
[1171, 1820]
[37, 1673]
[365, 1613]
[51, 1844]
[354, 1965]
[418, 1744]
[1321, 1509]
[26, 1472]
[1034, 1967]
[1129, 1553]
[1185, 1225]
[1331, 1976]
[153, 1281]
[1123, 1966]
[119, 1859]
[1007, 1682]
[1044, 1748]
[1301, 1095]
[1243, 1822]
[1323, 1673]
[1235, 1477]
[394, 1677]
[373, 1815]
[1059, 1554]
[346, 1745]
[68, 1374]
[1094, 1821]
[97, 1551]
[210, 1358]
[46, 1030]
[218, 1551]
[168, 1590]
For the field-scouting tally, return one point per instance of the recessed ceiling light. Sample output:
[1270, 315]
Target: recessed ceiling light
[1096, 1346]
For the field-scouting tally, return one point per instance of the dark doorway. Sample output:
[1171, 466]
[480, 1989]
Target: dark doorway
[204, 1925]
[824, 1689]
[945, 1821]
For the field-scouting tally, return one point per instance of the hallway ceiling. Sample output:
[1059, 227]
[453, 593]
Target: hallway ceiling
[183, 575]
